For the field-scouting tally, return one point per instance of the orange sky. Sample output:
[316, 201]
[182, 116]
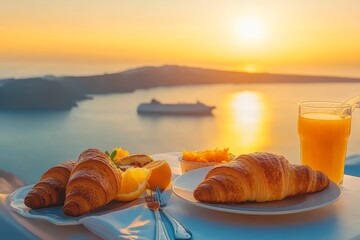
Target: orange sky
[88, 36]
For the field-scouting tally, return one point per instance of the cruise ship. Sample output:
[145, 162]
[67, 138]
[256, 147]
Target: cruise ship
[156, 107]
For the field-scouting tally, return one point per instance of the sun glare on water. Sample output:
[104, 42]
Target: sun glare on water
[249, 123]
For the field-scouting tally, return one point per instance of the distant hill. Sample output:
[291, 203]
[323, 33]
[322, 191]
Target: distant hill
[38, 94]
[61, 93]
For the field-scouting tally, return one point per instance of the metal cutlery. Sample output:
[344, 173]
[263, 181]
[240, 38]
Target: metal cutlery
[180, 231]
[154, 205]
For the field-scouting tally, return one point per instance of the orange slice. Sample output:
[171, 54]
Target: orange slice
[133, 183]
[160, 174]
[120, 153]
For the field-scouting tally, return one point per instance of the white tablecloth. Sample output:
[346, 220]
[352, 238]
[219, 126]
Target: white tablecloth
[340, 220]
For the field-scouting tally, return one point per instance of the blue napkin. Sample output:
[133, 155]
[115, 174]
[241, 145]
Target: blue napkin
[352, 165]
[133, 223]
[136, 222]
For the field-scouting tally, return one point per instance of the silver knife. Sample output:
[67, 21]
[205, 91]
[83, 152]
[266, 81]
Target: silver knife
[180, 231]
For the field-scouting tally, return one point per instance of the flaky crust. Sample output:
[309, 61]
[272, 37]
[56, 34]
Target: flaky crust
[93, 183]
[258, 177]
[50, 190]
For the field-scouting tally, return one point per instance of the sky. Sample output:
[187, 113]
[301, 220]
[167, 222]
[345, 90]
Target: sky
[84, 37]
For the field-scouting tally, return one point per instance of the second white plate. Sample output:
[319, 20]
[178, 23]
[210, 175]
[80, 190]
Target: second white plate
[184, 186]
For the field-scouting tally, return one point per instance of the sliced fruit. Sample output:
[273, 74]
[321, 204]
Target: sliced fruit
[135, 160]
[120, 153]
[133, 183]
[160, 174]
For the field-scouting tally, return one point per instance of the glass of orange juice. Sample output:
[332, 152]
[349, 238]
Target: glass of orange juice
[324, 129]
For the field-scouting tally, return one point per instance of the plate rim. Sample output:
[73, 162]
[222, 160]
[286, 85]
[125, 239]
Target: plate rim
[252, 211]
[12, 198]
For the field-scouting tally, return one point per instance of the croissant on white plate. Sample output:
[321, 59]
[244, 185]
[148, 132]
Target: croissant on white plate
[258, 177]
[93, 183]
[50, 190]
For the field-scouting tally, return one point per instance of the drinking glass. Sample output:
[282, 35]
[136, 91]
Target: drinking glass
[324, 129]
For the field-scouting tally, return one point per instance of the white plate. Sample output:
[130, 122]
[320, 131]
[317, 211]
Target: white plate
[54, 215]
[184, 186]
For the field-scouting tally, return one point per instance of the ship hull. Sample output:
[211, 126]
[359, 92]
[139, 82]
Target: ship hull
[175, 109]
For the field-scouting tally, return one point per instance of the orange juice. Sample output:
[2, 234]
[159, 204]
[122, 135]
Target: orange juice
[323, 141]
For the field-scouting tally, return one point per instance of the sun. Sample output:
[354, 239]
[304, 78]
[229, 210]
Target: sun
[250, 29]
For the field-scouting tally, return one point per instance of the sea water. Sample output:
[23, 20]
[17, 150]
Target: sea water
[247, 118]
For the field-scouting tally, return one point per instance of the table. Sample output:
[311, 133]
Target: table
[340, 220]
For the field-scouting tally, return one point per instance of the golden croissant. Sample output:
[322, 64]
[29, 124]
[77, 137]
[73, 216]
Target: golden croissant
[50, 190]
[258, 177]
[93, 183]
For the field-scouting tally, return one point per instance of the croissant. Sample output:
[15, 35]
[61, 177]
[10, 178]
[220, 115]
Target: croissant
[50, 190]
[258, 177]
[93, 183]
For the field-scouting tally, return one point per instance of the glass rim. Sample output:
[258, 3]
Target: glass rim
[322, 104]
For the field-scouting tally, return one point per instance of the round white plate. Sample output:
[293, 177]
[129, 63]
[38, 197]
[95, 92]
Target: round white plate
[184, 186]
[55, 214]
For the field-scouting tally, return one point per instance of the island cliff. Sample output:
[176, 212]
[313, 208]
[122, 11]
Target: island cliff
[63, 93]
